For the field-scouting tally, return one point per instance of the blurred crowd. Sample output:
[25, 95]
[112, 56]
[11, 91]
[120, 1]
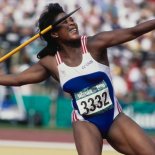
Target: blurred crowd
[132, 64]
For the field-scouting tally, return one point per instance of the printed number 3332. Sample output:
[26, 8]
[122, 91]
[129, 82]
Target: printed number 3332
[92, 104]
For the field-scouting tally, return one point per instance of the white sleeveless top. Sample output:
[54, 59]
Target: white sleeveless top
[89, 83]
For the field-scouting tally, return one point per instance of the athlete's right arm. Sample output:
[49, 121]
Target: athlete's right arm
[34, 74]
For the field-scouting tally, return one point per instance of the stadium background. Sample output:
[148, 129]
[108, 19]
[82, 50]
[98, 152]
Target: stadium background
[44, 106]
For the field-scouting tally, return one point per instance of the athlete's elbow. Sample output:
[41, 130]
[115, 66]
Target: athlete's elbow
[18, 81]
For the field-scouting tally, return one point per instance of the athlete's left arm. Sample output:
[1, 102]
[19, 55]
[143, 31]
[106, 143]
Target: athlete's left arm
[116, 37]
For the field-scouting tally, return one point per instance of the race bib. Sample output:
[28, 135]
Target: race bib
[93, 100]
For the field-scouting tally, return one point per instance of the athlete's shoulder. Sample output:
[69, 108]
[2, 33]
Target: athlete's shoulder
[48, 60]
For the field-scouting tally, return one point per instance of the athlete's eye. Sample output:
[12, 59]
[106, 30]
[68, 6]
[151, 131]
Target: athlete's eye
[64, 22]
[71, 19]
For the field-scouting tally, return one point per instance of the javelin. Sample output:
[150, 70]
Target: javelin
[17, 49]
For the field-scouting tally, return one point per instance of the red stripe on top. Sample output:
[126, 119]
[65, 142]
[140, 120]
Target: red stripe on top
[82, 44]
[119, 107]
[57, 60]
[85, 41]
[59, 57]
[74, 116]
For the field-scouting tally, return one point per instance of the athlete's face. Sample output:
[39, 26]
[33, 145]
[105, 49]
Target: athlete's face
[67, 29]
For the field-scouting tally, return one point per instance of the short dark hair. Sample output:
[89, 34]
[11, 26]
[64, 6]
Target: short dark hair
[48, 18]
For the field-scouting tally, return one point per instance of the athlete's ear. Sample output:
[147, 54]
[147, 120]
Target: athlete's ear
[54, 35]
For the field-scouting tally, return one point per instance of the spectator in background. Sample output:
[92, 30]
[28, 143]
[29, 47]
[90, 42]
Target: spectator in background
[72, 59]
[17, 16]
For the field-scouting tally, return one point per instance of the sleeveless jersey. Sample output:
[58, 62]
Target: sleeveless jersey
[90, 86]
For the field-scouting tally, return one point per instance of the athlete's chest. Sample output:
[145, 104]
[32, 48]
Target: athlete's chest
[87, 66]
[88, 73]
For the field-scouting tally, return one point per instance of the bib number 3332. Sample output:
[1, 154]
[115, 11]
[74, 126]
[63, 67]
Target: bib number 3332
[93, 100]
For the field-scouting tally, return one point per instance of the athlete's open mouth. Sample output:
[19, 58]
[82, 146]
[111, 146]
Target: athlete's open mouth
[73, 30]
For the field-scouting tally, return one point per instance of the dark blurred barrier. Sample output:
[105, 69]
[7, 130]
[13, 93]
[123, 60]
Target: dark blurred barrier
[39, 111]
[142, 112]
[63, 113]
